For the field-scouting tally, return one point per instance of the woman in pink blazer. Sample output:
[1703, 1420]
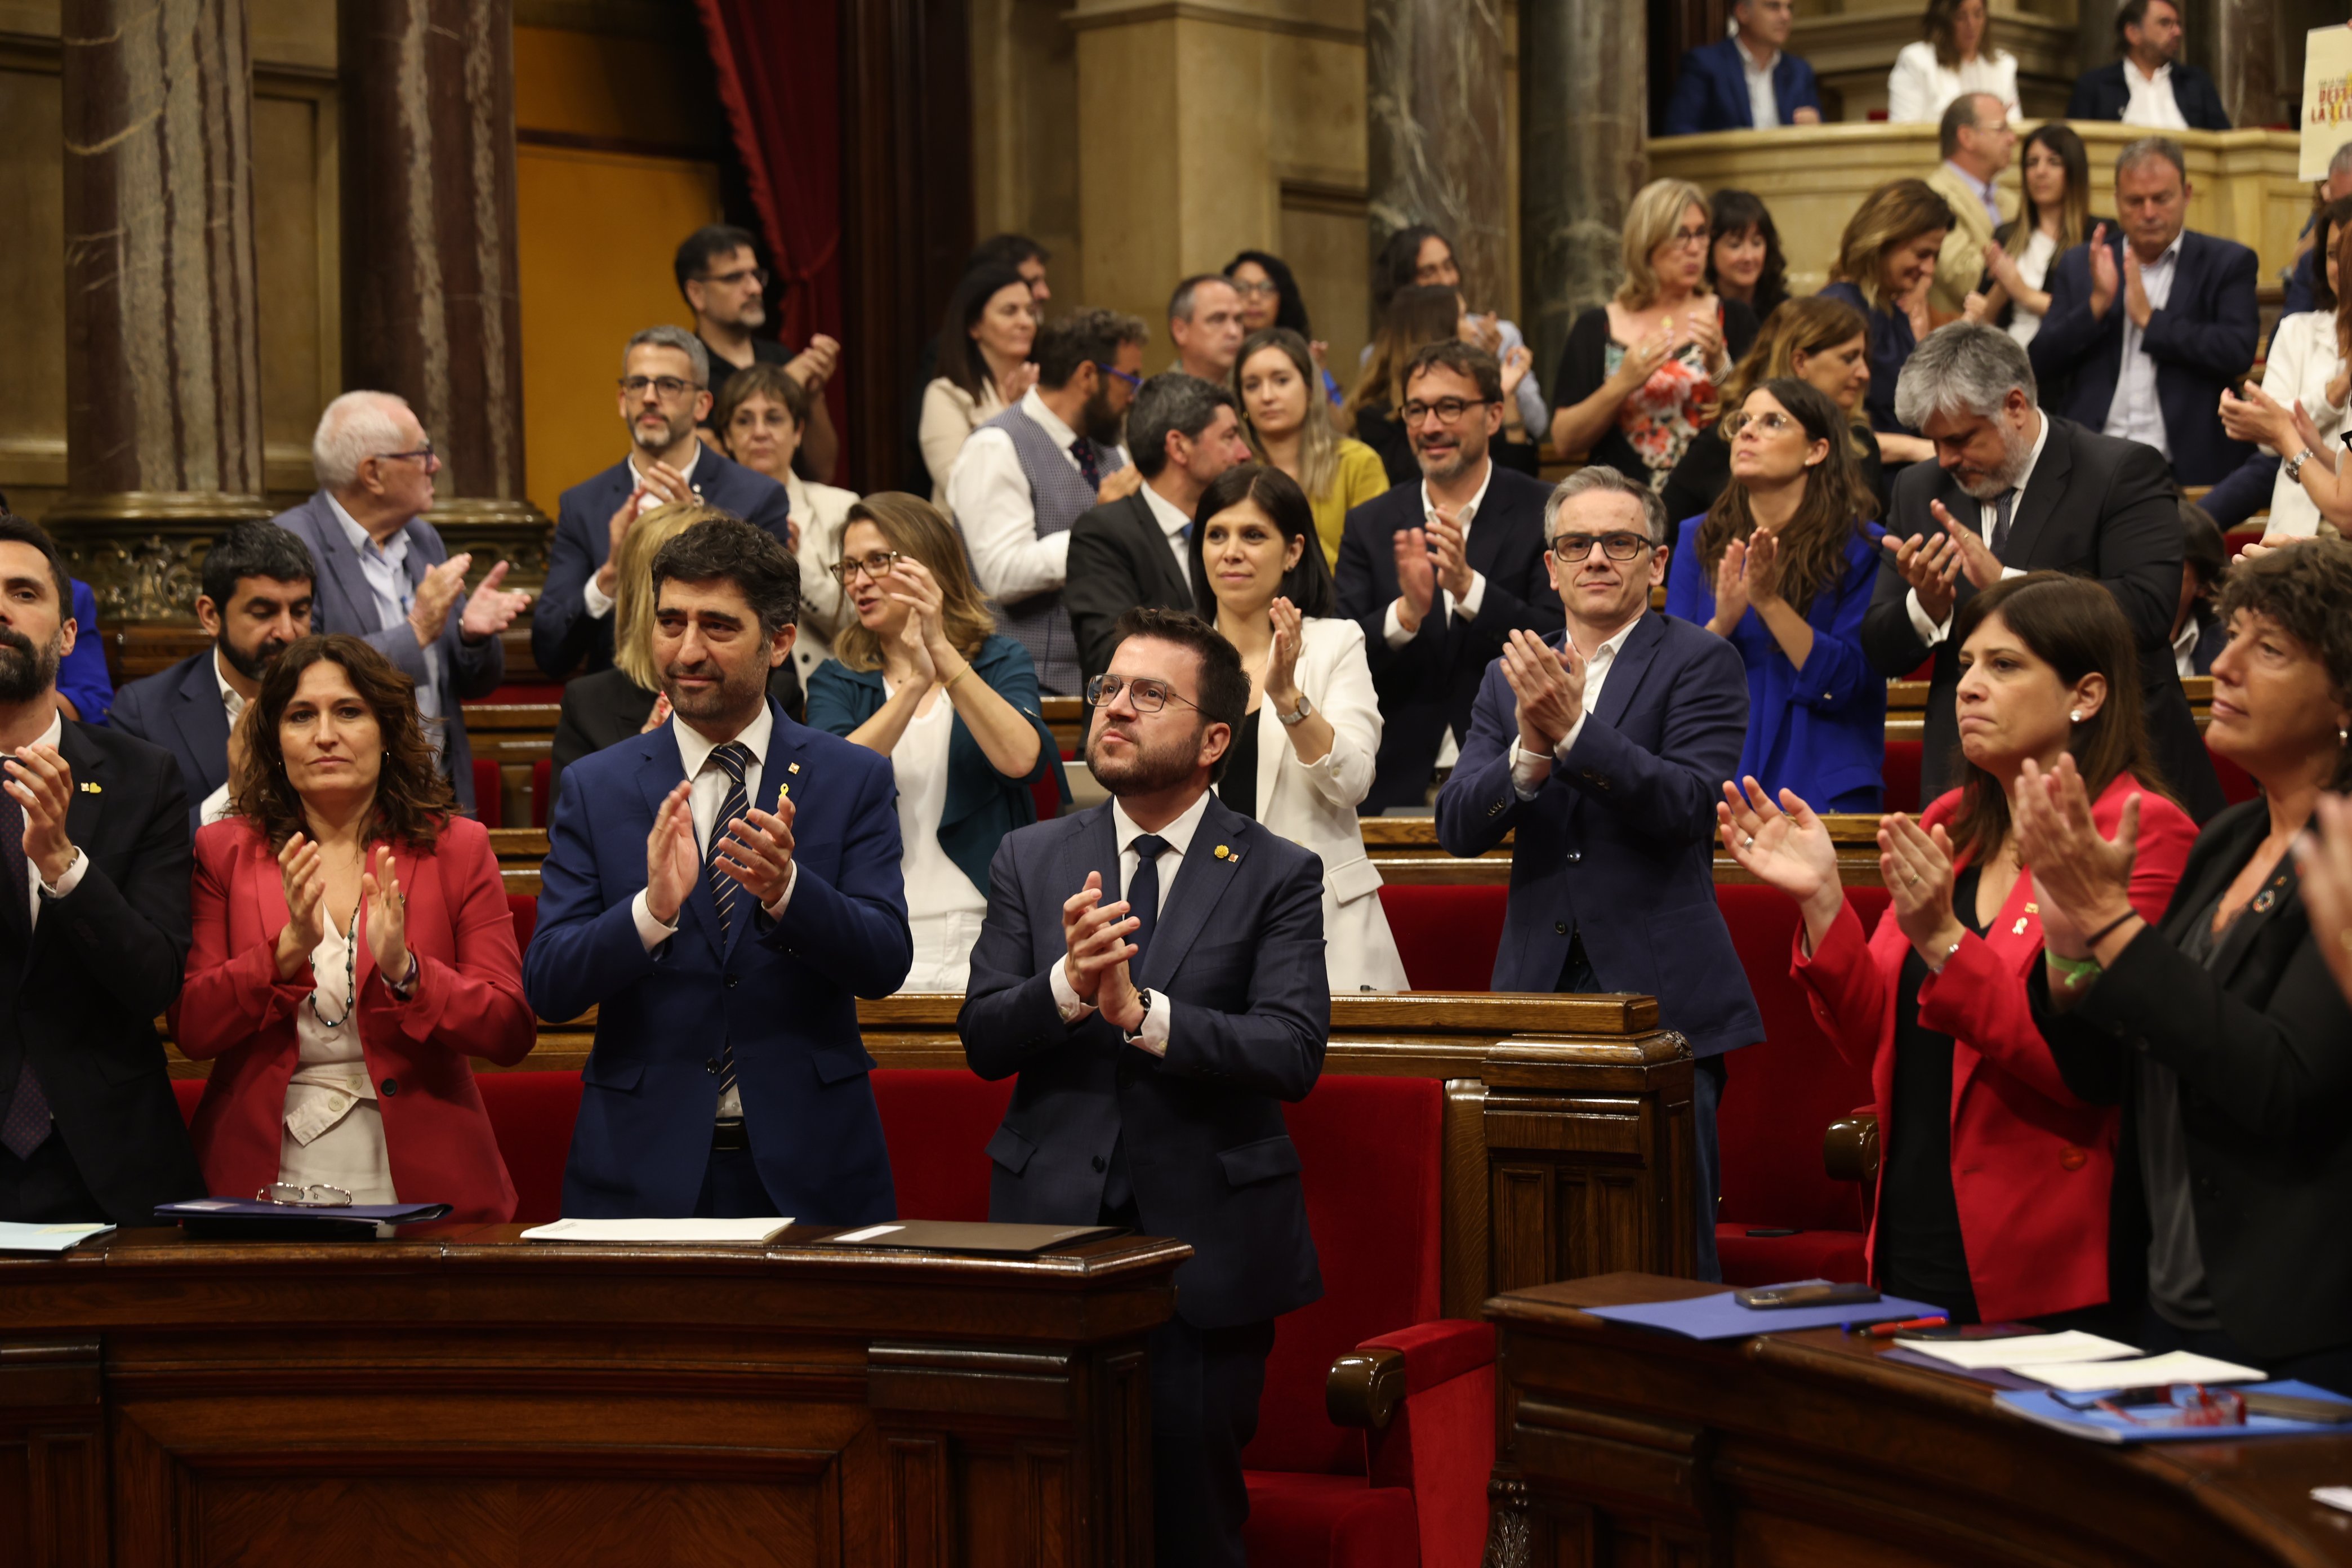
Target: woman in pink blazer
[352, 949]
[1993, 1178]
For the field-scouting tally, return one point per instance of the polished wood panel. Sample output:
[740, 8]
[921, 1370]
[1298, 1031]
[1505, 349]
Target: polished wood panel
[1622, 1445]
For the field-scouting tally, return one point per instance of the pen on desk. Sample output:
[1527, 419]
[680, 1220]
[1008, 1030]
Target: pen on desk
[1888, 1330]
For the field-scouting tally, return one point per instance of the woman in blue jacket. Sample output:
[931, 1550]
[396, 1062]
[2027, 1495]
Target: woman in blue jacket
[1783, 566]
[924, 678]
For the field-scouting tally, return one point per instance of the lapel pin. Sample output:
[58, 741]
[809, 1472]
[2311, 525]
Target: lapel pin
[2019, 928]
[2264, 900]
[791, 767]
[783, 793]
[1223, 853]
[2032, 907]
[89, 788]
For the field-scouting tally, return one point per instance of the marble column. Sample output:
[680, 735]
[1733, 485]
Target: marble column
[431, 301]
[1584, 111]
[2245, 61]
[1433, 91]
[162, 346]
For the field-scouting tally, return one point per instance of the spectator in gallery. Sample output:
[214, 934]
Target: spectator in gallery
[1782, 567]
[2299, 410]
[1204, 321]
[2147, 84]
[2199, 633]
[1291, 428]
[761, 419]
[1420, 256]
[1271, 298]
[1418, 316]
[1744, 258]
[1637, 374]
[660, 402]
[923, 677]
[1954, 54]
[1015, 253]
[353, 952]
[1744, 82]
[725, 286]
[1977, 144]
[984, 344]
[2054, 218]
[1887, 252]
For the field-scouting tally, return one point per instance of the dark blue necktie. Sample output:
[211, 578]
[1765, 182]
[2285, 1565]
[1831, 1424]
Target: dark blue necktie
[2005, 503]
[1143, 894]
[1089, 469]
[725, 891]
[25, 1123]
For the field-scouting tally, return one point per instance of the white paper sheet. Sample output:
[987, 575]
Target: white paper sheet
[664, 1232]
[2025, 1351]
[2174, 1366]
[16, 1237]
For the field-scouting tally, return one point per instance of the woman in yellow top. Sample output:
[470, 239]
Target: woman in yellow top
[1289, 427]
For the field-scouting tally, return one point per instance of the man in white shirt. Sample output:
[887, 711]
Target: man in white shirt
[1136, 550]
[2150, 85]
[1204, 319]
[1744, 81]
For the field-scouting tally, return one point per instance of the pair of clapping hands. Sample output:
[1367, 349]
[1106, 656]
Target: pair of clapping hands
[1097, 956]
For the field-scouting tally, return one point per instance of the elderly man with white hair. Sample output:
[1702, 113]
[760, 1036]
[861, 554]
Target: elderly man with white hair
[384, 575]
[2013, 489]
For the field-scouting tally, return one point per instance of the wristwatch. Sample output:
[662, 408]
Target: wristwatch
[1292, 720]
[2294, 466]
[1143, 997]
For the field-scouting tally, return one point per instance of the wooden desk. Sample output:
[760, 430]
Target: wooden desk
[458, 1395]
[1617, 1445]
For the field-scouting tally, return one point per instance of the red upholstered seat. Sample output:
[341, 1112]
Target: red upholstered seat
[1447, 936]
[542, 784]
[525, 910]
[489, 809]
[188, 1091]
[2238, 787]
[532, 1112]
[526, 691]
[1902, 774]
[1047, 793]
[938, 1122]
[1302, 1521]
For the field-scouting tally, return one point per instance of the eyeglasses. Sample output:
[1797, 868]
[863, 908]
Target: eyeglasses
[1134, 383]
[318, 1196]
[876, 566]
[1772, 422]
[757, 274]
[669, 386]
[1572, 548]
[1264, 289]
[1688, 236]
[1449, 410]
[423, 454]
[1147, 696]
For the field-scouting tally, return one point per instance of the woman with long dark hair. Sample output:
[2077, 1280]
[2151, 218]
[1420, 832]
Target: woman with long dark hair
[1418, 316]
[1271, 300]
[1421, 255]
[984, 342]
[1783, 568]
[1954, 54]
[2054, 217]
[1744, 259]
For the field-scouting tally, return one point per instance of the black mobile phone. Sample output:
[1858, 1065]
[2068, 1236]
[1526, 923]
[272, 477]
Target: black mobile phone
[1767, 1298]
[1972, 1331]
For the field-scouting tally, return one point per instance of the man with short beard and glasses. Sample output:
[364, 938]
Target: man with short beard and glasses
[722, 889]
[1153, 969]
[1026, 476]
[94, 932]
[2014, 489]
[256, 600]
[719, 273]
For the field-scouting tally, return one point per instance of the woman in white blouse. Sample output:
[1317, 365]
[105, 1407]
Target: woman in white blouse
[1303, 758]
[2054, 217]
[1955, 55]
[2306, 378]
[983, 366]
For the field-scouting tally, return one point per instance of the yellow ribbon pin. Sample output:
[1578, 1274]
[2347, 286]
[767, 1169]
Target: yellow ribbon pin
[88, 788]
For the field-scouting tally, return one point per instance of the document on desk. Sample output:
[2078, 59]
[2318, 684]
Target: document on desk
[756, 1232]
[2023, 1353]
[48, 1238]
[1718, 1317]
[2042, 1406]
[2173, 1366]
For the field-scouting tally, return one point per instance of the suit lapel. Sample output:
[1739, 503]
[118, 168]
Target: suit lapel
[1625, 672]
[1201, 878]
[2043, 491]
[198, 715]
[1155, 544]
[785, 742]
[2277, 893]
[340, 562]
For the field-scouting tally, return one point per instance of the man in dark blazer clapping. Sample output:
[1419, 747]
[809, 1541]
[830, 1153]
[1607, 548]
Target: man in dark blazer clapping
[94, 932]
[1441, 573]
[1604, 750]
[1153, 970]
[1711, 90]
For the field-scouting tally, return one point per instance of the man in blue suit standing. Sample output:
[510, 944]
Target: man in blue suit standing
[665, 380]
[722, 889]
[1605, 751]
[1745, 83]
[1153, 970]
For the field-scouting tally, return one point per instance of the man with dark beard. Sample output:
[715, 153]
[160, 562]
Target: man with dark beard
[1026, 476]
[2014, 489]
[256, 600]
[722, 888]
[719, 272]
[94, 930]
[1153, 970]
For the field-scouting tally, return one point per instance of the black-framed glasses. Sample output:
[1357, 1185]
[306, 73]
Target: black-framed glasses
[669, 386]
[876, 566]
[1148, 695]
[1572, 548]
[424, 454]
[757, 274]
[1449, 410]
[1134, 383]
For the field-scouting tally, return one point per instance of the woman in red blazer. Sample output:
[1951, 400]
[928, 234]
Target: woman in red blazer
[352, 949]
[1993, 1178]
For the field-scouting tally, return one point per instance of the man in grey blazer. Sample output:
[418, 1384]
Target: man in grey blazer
[384, 575]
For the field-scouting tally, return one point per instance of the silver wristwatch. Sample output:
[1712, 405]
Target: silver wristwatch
[1144, 996]
[1292, 720]
[2294, 466]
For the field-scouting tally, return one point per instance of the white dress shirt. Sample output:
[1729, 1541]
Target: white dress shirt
[2301, 362]
[2184, 647]
[1920, 87]
[598, 602]
[1933, 633]
[2152, 106]
[1525, 780]
[1763, 107]
[215, 806]
[331, 1124]
[1175, 525]
[1178, 834]
[2135, 414]
[385, 568]
[34, 886]
[988, 497]
[2034, 266]
[1393, 631]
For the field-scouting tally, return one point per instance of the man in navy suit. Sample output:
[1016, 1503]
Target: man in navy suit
[2150, 85]
[1745, 83]
[722, 889]
[664, 378]
[1605, 751]
[1439, 572]
[1153, 970]
[2148, 326]
[384, 575]
[257, 584]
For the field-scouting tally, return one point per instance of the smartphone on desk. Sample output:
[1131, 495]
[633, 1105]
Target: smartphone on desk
[1972, 1331]
[1770, 1297]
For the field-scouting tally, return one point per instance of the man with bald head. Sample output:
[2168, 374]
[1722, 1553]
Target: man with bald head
[384, 575]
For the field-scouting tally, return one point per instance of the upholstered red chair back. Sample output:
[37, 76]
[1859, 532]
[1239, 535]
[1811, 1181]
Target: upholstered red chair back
[1902, 774]
[524, 908]
[188, 1091]
[1448, 936]
[489, 807]
[2238, 786]
[533, 1113]
[937, 1122]
[542, 785]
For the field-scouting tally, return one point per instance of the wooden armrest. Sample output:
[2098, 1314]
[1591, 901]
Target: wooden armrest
[1849, 1149]
[1365, 1387]
[1368, 1384]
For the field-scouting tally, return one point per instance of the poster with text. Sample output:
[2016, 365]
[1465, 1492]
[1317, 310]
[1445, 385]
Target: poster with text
[2326, 98]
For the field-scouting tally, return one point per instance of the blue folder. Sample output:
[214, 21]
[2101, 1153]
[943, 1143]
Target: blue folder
[2042, 1406]
[1719, 1317]
[251, 1209]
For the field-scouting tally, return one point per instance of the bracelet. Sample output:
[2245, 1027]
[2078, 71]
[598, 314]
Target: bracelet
[2072, 972]
[952, 679]
[2109, 929]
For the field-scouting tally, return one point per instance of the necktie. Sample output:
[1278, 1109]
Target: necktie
[1089, 469]
[1143, 894]
[725, 892]
[2002, 506]
[24, 1124]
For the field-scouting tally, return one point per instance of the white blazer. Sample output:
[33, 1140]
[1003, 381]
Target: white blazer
[823, 512]
[2302, 362]
[1316, 807]
[1919, 89]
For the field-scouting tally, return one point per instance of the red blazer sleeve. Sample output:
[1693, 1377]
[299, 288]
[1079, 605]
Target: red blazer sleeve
[470, 1002]
[229, 997]
[1843, 982]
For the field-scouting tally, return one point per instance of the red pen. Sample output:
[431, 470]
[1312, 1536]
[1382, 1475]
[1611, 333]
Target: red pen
[1888, 1330]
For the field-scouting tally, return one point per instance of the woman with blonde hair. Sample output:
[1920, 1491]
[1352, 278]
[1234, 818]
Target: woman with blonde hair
[1954, 54]
[923, 677]
[1639, 376]
[1886, 254]
[1289, 427]
[608, 707]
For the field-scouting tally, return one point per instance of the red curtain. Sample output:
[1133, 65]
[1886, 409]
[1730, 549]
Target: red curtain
[778, 70]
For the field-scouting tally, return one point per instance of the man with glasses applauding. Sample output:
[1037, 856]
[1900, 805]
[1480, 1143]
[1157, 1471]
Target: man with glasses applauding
[1441, 573]
[1152, 969]
[1604, 751]
[719, 276]
[665, 393]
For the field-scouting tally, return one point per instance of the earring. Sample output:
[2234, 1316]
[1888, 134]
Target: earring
[2076, 715]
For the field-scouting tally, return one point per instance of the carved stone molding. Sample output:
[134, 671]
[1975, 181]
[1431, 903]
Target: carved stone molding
[141, 550]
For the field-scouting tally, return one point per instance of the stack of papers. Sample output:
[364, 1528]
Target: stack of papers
[2023, 1353]
[2141, 1372]
[664, 1232]
[48, 1238]
[2079, 1362]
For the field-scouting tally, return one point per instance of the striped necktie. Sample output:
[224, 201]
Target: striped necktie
[725, 892]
